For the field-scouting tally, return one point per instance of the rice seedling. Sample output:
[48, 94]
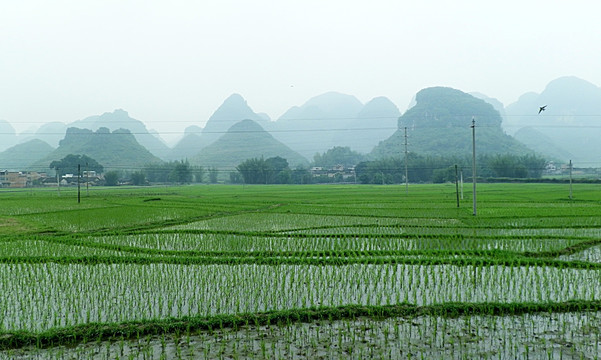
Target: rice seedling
[364, 268]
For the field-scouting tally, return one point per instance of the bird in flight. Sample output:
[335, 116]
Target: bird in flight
[542, 108]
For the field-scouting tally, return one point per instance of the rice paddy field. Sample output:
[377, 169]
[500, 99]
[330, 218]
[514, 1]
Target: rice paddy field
[294, 272]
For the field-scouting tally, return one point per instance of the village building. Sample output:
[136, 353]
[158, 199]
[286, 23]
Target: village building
[20, 179]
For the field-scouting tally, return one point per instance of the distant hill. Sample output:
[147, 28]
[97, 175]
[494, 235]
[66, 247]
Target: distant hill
[542, 144]
[51, 132]
[494, 102]
[120, 119]
[113, 150]
[376, 121]
[22, 156]
[571, 120]
[440, 124]
[244, 140]
[233, 110]
[314, 127]
[8, 136]
[188, 146]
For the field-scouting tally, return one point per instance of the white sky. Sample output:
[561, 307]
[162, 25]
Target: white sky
[172, 63]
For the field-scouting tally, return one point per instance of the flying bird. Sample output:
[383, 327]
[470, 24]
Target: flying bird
[542, 108]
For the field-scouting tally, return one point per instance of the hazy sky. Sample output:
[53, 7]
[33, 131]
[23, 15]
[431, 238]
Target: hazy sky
[172, 63]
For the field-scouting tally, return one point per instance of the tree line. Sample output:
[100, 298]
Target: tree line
[420, 169]
[172, 172]
[439, 169]
[273, 170]
[276, 170]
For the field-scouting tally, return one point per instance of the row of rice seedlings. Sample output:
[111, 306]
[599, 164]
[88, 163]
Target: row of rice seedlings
[23, 205]
[311, 242]
[582, 227]
[448, 212]
[592, 254]
[554, 232]
[537, 206]
[109, 218]
[551, 335]
[435, 207]
[463, 231]
[590, 220]
[278, 222]
[29, 248]
[387, 206]
[41, 296]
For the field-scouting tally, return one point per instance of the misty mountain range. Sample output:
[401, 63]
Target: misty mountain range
[438, 122]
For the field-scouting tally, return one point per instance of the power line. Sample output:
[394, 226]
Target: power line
[441, 126]
[208, 132]
[284, 120]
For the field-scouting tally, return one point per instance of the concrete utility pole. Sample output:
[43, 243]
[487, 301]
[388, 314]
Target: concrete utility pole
[474, 160]
[87, 180]
[78, 183]
[406, 170]
[58, 182]
[570, 179]
[457, 185]
[461, 180]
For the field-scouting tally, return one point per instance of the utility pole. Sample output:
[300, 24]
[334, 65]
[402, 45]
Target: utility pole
[58, 182]
[406, 171]
[570, 179]
[457, 185]
[474, 161]
[461, 180]
[78, 183]
[87, 180]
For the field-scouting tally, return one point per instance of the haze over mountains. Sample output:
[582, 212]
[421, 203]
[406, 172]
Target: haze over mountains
[233, 110]
[119, 148]
[438, 123]
[244, 138]
[8, 136]
[571, 122]
[334, 119]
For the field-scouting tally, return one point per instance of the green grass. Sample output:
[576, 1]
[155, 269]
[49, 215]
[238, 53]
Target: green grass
[174, 255]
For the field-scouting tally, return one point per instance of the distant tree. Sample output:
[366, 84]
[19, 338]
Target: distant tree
[503, 165]
[253, 170]
[68, 164]
[275, 166]
[382, 171]
[534, 164]
[338, 155]
[301, 175]
[236, 178]
[443, 175]
[138, 178]
[338, 178]
[273, 170]
[284, 177]
[158, 173]
[439, 169]
[513, 166]
[198, 172]
[213, 175]
[111, 178]
[181, 172]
